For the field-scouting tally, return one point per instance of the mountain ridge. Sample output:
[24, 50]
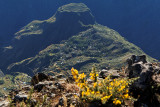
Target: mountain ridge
[66, 25]
[81, 51]
[39, 34]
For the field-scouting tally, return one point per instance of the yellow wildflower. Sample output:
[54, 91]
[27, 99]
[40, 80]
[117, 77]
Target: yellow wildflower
[126, 96]
[76, 80]
[117, 83]
[110, 88]
[75, 96]
[121, 88]
[111, 84]
[94, 84]
[92, 92]
[127, 91]
[116, 102]
[81, 85]
[97, 92]
[75, 77]
[88, 90]
[72, 69]
[116, 89]
[81, 76]
[93, 76]
[105, 99]
[83, 93]
[100, 84]
[97, 75]
[87, 93]
[74, 73]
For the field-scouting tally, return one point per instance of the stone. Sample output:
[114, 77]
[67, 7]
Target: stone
[156, 78]
[102, 73]
[53, 95]
[59, 86]
[52, 78]
[39, 87]
[89, 81]
[143, 86]
[4, 104]
[70, 79]
[59, 76]
[68, 94]
[136, 64]
[13, 92]
[74, 102]
[39, 78]
[52, 88]
[113, 73]
[20, 97]
[26, 88]
[135, 59]
[61, 101]
[62, 81]
[33, 102]
[44, 84]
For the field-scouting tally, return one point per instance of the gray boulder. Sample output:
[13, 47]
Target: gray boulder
[20, 97]
[38, 78]
[4, 103]
[145, 88]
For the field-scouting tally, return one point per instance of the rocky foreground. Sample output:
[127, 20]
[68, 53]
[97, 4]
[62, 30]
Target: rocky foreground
[58, 90]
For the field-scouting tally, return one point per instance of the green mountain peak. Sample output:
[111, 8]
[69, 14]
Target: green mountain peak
[74, 7]
[70, 38]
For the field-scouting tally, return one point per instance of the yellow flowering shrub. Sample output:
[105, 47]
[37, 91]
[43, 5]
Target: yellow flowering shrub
[106, 90]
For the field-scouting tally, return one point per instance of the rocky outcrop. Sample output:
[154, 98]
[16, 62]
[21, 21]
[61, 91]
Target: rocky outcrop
[146, 88]
[39, 78]
[44, 92]
[113, 73]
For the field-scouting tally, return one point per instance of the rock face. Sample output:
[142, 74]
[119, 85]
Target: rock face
[146, 88]
[135, 65]
[38, 78]
[77, 12]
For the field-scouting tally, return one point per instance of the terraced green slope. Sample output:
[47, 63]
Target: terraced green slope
[97, 45]
[12, 81]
